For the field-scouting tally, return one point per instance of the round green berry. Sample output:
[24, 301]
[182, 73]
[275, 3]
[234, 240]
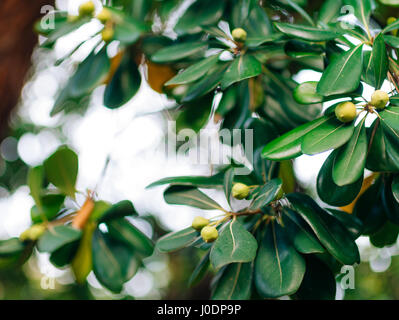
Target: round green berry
[199, 222]
[240, 191]
[239, 34]
[346, 111]
[209, 234]
[379, 99]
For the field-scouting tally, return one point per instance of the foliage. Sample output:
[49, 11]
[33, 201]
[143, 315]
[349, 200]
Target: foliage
[282, 242]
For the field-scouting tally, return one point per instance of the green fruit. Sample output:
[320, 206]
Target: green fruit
[199, 222]
[239, 34]
[104, 15]
[72, 18]
[87, 8]
[240, 191]
[379, 99]
[346, 111]
[209, 234]
[33, 233]
[107, 34]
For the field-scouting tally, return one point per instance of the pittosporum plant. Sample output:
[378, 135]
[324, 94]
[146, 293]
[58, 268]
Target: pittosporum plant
[272, 239]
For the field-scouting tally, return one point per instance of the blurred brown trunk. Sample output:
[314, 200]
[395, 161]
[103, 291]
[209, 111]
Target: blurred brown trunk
[17, 41]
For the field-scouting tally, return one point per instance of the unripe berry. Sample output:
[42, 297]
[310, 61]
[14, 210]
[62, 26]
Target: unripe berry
[87, 8]
[391, 20]
[104, 15]
[33, 233]
[345, 111]
[199, 222]
[379, 99]
[209, 233]
[107, 34]
[240, 191]
[72, 18]
[239, 34]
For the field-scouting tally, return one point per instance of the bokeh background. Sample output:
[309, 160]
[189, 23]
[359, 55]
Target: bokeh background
[129, 143]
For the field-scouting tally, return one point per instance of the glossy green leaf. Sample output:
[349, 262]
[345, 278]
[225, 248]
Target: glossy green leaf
[50, 207]
[331, 233]
[389, 202]
[395, 188]
[351, 158]
[288, 145]
[243, 67]
[303, 238]
[392, 41]
[35, 182]
[90, 73]
[392, 26]
[329, 135]
[128, 30]
[200, 13]
[113, 262]
[228, 183]
[195, 71]
[178, 51]
[342, 74]
[58, 237]
[65, 254]
[266, 194]
[305, 93]
[279, 269]
[234, 244]
[189, 196]
[300, 49]
[386, 236]
[177, 240]
[369, 209]
[330, 10]
[122, 230]
[362, 10]
[200, 270]
[306, 32]
[330, 192]
[124, 84]
[62, 170]
[350, 221]
[380, 60]
[198, 181]
[235, 283]
[118, 210]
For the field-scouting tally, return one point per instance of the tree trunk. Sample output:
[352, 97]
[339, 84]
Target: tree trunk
[17, 41]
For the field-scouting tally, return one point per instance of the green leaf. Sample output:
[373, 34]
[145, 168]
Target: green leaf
[395, 188]
[177, 240]
[235, 282]
[330, 135]
[11, 247]
[380, 60]
[330, 10]
[301, 49]
[200, 270]
[279, 269]
[351, 158]
[305, 93]
[198, 181]
[234, 244]
[369, 209]
[50, 207]
[362, 10]
[390, 117]
[266, 194]
[392, 41]
[318, 283]
[342, 74]
[90, 73]
[389, 202]
[330, 192]
[118, 210]
[331, 233]
[128, 30]
[243, 67]
[178, 51]
[391, 27]
[228, 183]
[113, 261]
[82, 262]
[200, 13]
[353, 224]
[301, 234]
[35, 182]
[124, 84]
[58, 237]
[65, 254]
[386, 236]
[122, 230]
[189, 196]
[62, 170]
[288, 145]
[99, 209]
[306, 32]
[384, 150]
[195, 71]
